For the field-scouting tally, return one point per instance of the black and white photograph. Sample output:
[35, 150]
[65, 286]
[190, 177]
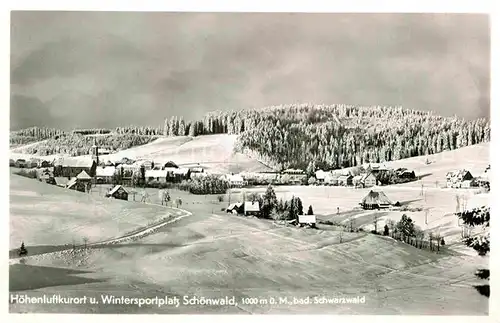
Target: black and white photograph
[166, 162]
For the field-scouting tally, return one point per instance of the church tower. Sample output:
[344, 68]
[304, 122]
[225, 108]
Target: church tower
[95, 153]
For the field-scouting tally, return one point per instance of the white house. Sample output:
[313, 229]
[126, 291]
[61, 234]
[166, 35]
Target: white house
[307, 219]
[155, 175]
[105, 173]
[320, 175]
[235, 180]
[251, 208]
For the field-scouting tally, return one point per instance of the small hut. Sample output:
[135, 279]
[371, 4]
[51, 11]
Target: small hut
[118, 192]
[375, 200]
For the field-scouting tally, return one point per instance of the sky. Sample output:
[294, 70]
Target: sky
[106, 69]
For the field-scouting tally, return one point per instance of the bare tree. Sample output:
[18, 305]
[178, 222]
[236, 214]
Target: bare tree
[465, 198]
[419, 237]
[437, 238]
[351, 223]
[431, 238]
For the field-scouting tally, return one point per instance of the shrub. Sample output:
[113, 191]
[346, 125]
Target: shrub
[220, 198]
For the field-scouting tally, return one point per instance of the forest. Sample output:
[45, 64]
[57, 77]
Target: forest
[296, 135]
[335, 136]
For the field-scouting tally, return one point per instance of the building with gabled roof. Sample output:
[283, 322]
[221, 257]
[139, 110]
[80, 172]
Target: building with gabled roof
[251, 208]
[118, 192]
[375, 200]
[76, 185]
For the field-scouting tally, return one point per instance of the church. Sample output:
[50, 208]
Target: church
[73, 166]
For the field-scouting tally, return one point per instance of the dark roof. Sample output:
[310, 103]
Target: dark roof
[376, 197]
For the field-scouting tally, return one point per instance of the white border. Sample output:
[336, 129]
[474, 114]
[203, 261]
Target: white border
[437, 6]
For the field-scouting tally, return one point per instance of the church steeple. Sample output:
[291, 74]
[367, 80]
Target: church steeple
[95, 152]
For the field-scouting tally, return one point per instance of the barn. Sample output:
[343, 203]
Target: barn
[375, 200]
[118, 192]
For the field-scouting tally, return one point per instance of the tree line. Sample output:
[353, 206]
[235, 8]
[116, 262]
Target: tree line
[78, 144]
[335, 136]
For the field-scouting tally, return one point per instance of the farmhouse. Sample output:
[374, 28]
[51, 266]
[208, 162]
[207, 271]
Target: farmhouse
[345, 180]
[105, 174]
[375, 200]
[455, 179]
[251, 208]
[369, 180]
[235, 208]
[235, 180]
[156, 175]
[71, 167]
[320, 176]
[118, 192]
[332, 178]
[309, 220]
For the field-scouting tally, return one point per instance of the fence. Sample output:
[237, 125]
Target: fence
[432, 245]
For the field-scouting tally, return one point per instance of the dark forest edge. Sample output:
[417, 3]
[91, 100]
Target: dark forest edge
[289, 136]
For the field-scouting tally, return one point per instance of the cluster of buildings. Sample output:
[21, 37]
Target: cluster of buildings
[365, 176]
[463, 178]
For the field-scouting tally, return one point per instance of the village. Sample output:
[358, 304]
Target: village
[123, 177]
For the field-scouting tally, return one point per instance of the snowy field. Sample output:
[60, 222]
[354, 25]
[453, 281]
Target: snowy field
[42, 214]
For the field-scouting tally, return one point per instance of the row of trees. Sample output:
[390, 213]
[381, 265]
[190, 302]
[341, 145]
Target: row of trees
[78, 144]
[95, 131]
[407, 231]
[33, 134]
